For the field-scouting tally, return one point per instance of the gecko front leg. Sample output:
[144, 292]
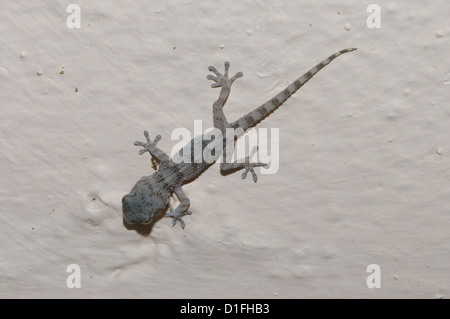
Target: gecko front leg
[156, 152]
[181, 210]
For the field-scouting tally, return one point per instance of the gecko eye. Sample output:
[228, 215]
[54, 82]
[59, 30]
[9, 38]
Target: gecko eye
[123, 198]
[147, 221]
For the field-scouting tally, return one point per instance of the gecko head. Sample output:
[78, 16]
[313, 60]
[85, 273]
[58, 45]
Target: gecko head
[141, 205]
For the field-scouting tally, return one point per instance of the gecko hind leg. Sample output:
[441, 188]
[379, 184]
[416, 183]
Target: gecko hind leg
[223, 80]
[247, 166]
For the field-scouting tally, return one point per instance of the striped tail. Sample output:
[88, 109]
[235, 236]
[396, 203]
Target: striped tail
[263, 111]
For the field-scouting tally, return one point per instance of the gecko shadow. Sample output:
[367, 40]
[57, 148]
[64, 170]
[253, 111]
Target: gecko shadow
[141, 229]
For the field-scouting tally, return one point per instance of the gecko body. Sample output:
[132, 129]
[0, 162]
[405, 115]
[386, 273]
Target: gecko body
[151, 194]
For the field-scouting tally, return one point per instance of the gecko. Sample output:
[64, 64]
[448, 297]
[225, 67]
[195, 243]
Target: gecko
[151, 194]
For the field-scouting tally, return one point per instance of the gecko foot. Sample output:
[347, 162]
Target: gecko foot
[222, 80]
[249, 166]
[176, 214]
[149, 144]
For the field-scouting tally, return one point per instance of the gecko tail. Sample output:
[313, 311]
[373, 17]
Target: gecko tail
[260, 113]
